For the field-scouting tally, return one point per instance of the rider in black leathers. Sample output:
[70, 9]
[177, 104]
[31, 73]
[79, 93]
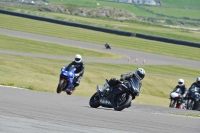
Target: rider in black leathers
[183, 89]
[139, 75]
[107, 46]
[182, 86]
[196, 84]
[80, 66]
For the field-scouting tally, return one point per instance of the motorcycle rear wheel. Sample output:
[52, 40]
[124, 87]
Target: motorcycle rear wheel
[94, 101]
[121, 102]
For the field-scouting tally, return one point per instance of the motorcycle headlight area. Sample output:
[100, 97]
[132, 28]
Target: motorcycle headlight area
[174, 94]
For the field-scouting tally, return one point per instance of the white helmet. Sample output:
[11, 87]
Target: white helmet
[140, 73]
[180, 82]
[198, 80]
[78, 58]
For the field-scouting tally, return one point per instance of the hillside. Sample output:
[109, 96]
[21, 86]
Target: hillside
[182, 13]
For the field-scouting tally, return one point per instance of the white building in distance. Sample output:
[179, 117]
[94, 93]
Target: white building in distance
[142, 2]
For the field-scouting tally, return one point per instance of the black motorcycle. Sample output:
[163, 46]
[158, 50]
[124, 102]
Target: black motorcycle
[107, 46]
[118, 97]
[193, 98]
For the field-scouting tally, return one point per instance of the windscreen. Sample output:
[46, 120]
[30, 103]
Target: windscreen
[69, 68]
[134, 82]
[178, 90]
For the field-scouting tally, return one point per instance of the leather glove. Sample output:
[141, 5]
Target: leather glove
[62, 68]
[76, 74]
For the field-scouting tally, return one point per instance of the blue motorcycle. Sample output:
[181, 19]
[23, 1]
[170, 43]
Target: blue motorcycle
[67, 80]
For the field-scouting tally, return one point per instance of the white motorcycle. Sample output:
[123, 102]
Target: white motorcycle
[177, 99]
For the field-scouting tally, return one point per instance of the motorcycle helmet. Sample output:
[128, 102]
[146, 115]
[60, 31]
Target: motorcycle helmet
[180, 82]
[78, 58]
[140, 73]
[198, 80]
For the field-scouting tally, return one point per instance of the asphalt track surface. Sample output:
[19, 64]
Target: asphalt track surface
[25, 111]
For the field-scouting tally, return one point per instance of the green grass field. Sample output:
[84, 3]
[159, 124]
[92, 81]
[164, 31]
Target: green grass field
[189, 8]
[45, 28]
[181, 3]
[175, 12]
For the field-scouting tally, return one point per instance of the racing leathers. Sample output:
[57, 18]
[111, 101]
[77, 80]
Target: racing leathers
[195, 85]
[125, 78]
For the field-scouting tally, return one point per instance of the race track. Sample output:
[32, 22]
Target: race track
[25, 111]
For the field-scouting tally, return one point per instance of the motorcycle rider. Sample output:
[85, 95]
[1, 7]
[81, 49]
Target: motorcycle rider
[196, 84]
[107, 46]
[80, 66]
[182, 86]
[139, 74]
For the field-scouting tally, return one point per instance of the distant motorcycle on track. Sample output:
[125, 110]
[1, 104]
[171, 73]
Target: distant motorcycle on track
[107, 46]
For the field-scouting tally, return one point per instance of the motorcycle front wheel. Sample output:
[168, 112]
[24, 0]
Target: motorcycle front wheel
[61, 85]
[122, 101]
[190, 104]
[94, 101]
[172, 103]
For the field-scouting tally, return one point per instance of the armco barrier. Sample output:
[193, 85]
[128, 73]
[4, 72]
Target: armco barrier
[168, 40]
[112, 31]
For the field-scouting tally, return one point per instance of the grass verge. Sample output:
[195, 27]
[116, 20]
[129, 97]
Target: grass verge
[189, 114]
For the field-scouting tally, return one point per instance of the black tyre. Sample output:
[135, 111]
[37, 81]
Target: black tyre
[129, 105]
[58, 89]
[196, 105]
[122, 101]
[61, 86]
[190, 104]
[172, 103]
[94, 101]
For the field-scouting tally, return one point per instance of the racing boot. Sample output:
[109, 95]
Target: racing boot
[102, 89]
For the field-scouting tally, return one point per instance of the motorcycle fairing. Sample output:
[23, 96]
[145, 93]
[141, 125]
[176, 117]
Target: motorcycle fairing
[68, 75]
